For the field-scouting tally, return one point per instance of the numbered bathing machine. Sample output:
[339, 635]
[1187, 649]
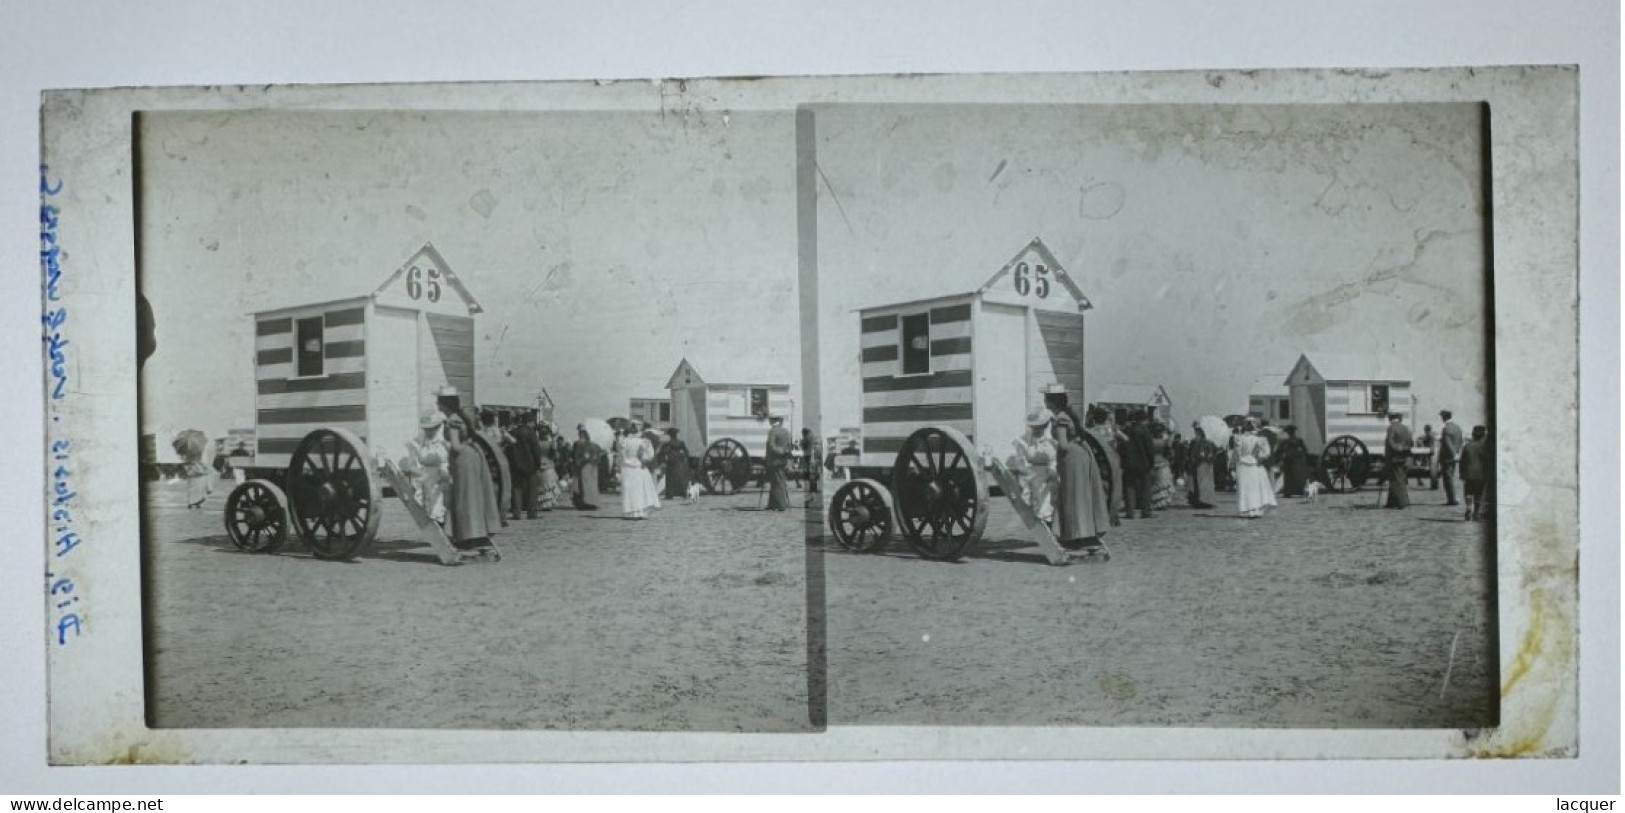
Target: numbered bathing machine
[727, 417]
[337, 383]
[943, 379]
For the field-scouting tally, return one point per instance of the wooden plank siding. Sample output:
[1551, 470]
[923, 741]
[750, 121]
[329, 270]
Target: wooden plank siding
[454, 339]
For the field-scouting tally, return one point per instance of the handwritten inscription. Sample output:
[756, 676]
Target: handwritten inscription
[61, 497]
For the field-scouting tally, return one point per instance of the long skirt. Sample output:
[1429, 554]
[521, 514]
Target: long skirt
[677, 478]
[505, 495]
[1294, 475]
[197, 488]
[638, 493]
[778, 495]
[1080, 498]
[1162, 484]
[472, 498]
[1253, 489]
[1038, 489]
[587, 487]
[1201, 483]
[547, 494]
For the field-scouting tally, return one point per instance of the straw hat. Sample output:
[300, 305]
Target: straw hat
[1038, 419]
[431, 420]
[1054, 389]
[446, 391]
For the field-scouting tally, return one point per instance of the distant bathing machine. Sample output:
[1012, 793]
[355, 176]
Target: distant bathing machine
[974, 362]
[1123, 400]
[1332, 396]
[369, 364]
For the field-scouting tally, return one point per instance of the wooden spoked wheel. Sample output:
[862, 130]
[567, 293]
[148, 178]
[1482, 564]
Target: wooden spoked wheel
[335, 494]
[490, 454]
[1344, 464]
[940, 493]
[861, 516]
[257, 517]
[725, 468]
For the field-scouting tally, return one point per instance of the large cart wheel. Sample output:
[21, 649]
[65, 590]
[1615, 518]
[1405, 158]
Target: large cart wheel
[725, 468]
[490, 453]
[257, 517]
[860, 516]
[1344, 464]
[1108, 478]
[940, 492]
[335, 494]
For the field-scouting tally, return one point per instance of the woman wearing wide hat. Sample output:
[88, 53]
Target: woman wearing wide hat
[471, 501]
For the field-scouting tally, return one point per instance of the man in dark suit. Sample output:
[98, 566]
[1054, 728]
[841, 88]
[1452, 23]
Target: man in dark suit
[778, 461]
[1397, 451]
[1137, 455]
[1448, 451]
[524, 462]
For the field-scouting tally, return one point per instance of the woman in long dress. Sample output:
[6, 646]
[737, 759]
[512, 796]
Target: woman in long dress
[1199, 458]
[426, 465]
[1162, 472]
[190, 445]
[1080, 496]
[638, 493]
[1294, 457]
[499, 440]
[547, 489]
[1034, 460]
[471, 501]
[674, 460]
[1105, 431]
[1254, 490]
[586, 467]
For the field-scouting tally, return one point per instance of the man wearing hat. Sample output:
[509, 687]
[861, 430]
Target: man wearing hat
[1449, 451]
[1397, 450]
[778, 460]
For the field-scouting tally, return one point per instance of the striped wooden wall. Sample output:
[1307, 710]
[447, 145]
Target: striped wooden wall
[1372, 430]
[895, 405]
[288, 408]
[720, 422]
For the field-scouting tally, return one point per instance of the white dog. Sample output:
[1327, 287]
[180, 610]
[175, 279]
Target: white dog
[1311, 492]
[693, 493]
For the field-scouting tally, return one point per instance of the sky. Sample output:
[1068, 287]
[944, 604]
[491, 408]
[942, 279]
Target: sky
[603, 246]
[1217, 244]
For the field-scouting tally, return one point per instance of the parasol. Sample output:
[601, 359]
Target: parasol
[1217, 431]
[190, 443]
[599, 431]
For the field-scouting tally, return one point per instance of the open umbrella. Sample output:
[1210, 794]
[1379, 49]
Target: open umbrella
[1217, 431]
[599, 431]
[190, 444]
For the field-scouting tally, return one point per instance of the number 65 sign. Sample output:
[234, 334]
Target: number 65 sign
[417, 286]
[1032, 279]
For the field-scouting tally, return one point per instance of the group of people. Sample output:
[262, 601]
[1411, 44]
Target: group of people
[451, 473]
[1473, 459]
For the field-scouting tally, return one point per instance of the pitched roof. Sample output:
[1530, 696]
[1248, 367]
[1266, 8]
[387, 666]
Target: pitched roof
[1272, 385]
[1037, 247]
[435, 257]
[1355, 367]
[733, 370]
[1140, 394]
